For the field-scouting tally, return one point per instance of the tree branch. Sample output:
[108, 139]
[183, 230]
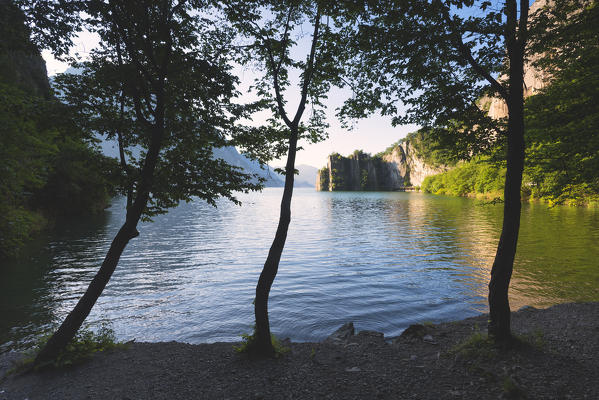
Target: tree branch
[309, 69]
[276, 70]
[466, 54]
[523, 24]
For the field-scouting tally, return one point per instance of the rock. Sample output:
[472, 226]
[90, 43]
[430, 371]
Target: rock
[416, 331]
[428, 339]
[396, 170]
[527, 308]
[371, 334]
[341, 335]
[370, 337]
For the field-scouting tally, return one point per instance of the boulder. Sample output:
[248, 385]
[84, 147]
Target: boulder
[341, 335]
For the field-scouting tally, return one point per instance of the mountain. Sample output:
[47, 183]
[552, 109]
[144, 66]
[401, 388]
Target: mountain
[232, 157]
[228, 154]
[307, 175]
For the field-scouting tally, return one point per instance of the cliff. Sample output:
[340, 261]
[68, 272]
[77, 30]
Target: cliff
[21, 63]
[534, 80]
[395, 170]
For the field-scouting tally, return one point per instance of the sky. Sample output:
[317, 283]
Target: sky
[371, 135]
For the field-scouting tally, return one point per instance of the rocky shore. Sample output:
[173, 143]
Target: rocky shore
[557, 359]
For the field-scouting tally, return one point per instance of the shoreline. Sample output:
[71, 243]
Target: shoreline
[425, 362]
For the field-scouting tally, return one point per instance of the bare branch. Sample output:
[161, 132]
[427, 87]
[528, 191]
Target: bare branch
[276, 69]
[466, 54]
[309, 69]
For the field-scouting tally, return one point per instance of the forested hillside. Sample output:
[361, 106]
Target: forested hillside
[562, 127]
[50, 168]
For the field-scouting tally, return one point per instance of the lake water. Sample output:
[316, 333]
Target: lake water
[382, 260]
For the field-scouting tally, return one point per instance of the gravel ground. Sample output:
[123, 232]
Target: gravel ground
[423, 363]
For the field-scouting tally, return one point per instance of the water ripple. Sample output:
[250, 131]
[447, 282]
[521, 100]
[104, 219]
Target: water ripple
[382, 260]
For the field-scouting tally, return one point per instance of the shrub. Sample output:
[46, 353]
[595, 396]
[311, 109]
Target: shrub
[248, 344]
[84, 345]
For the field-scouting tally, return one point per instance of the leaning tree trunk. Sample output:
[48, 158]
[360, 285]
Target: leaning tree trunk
[68, 329]
[263, 343]
[499, 307]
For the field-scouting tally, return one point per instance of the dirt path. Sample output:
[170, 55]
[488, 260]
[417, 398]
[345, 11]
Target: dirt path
[423, 363]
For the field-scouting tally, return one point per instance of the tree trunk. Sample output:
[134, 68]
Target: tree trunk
[68, 329]
[263, 343]
[499, 307]
[501, 273]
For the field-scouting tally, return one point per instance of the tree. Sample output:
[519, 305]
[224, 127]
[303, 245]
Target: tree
[562, 120]
[51, 24]
[49, 165]
[160, 82]
[271, 43]
[440, 59]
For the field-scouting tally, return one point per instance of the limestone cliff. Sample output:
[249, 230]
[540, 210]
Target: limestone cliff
[402, 167]
[396, 170]
[534, 80]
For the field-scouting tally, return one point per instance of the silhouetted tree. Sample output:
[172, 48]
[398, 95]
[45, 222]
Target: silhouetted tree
[431, 63]
[51, 24]
[161, 82]
[270, 26]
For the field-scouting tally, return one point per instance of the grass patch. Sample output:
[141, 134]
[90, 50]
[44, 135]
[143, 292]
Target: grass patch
[84, 345]
[248, 345]
[479, 345]
[535, 339]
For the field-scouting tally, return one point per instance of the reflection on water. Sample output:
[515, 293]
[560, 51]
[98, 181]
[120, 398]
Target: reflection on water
[382, 260]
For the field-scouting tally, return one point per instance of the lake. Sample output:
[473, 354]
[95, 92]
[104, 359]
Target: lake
[384, 260]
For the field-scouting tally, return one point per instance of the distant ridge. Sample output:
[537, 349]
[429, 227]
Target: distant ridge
[232, 157]
[306, 177]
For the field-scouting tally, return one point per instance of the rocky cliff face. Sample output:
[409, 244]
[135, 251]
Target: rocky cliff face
[20, 61]
[534, 80]
[402, 167]
[393, 171]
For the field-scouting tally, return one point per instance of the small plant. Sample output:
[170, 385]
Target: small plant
[511, 389]
[476, 346]
[248, 343]
[535, 339]
[85, 343]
